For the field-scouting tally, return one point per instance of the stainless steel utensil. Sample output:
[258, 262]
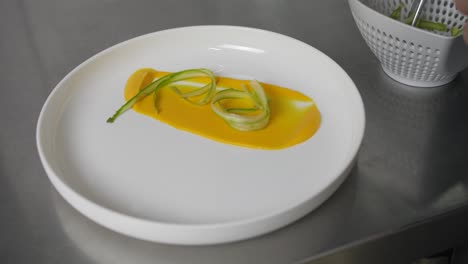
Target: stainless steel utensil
[416, 9]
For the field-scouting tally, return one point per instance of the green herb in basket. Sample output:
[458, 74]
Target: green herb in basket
[396, 14]
[422, 23]
[455, 31]
[426, 24]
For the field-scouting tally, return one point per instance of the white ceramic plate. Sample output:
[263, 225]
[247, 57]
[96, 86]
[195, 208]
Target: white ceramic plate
[148, 180]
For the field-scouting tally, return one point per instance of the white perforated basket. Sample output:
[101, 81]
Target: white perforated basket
[411, 55]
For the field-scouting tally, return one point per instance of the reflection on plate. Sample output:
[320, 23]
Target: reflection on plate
[144, 179]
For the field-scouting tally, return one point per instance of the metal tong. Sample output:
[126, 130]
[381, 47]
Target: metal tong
[416, 9]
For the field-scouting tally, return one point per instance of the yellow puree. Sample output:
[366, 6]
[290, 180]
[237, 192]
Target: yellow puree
[294, 116]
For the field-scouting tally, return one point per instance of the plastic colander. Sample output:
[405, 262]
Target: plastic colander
[408, 54]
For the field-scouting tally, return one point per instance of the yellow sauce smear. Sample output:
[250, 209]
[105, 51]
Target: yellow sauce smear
[294, 116]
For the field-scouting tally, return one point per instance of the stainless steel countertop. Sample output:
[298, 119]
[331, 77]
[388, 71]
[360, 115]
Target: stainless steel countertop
[409, 188]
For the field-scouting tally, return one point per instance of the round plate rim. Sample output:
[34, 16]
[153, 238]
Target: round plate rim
[77, 200]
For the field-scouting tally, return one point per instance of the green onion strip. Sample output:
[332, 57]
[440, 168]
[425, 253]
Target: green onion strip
[152, 88]
[243, 119]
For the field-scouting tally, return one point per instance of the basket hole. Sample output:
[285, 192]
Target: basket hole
[428, 50]
[437, 51]
[445, 3]
[451, 5]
